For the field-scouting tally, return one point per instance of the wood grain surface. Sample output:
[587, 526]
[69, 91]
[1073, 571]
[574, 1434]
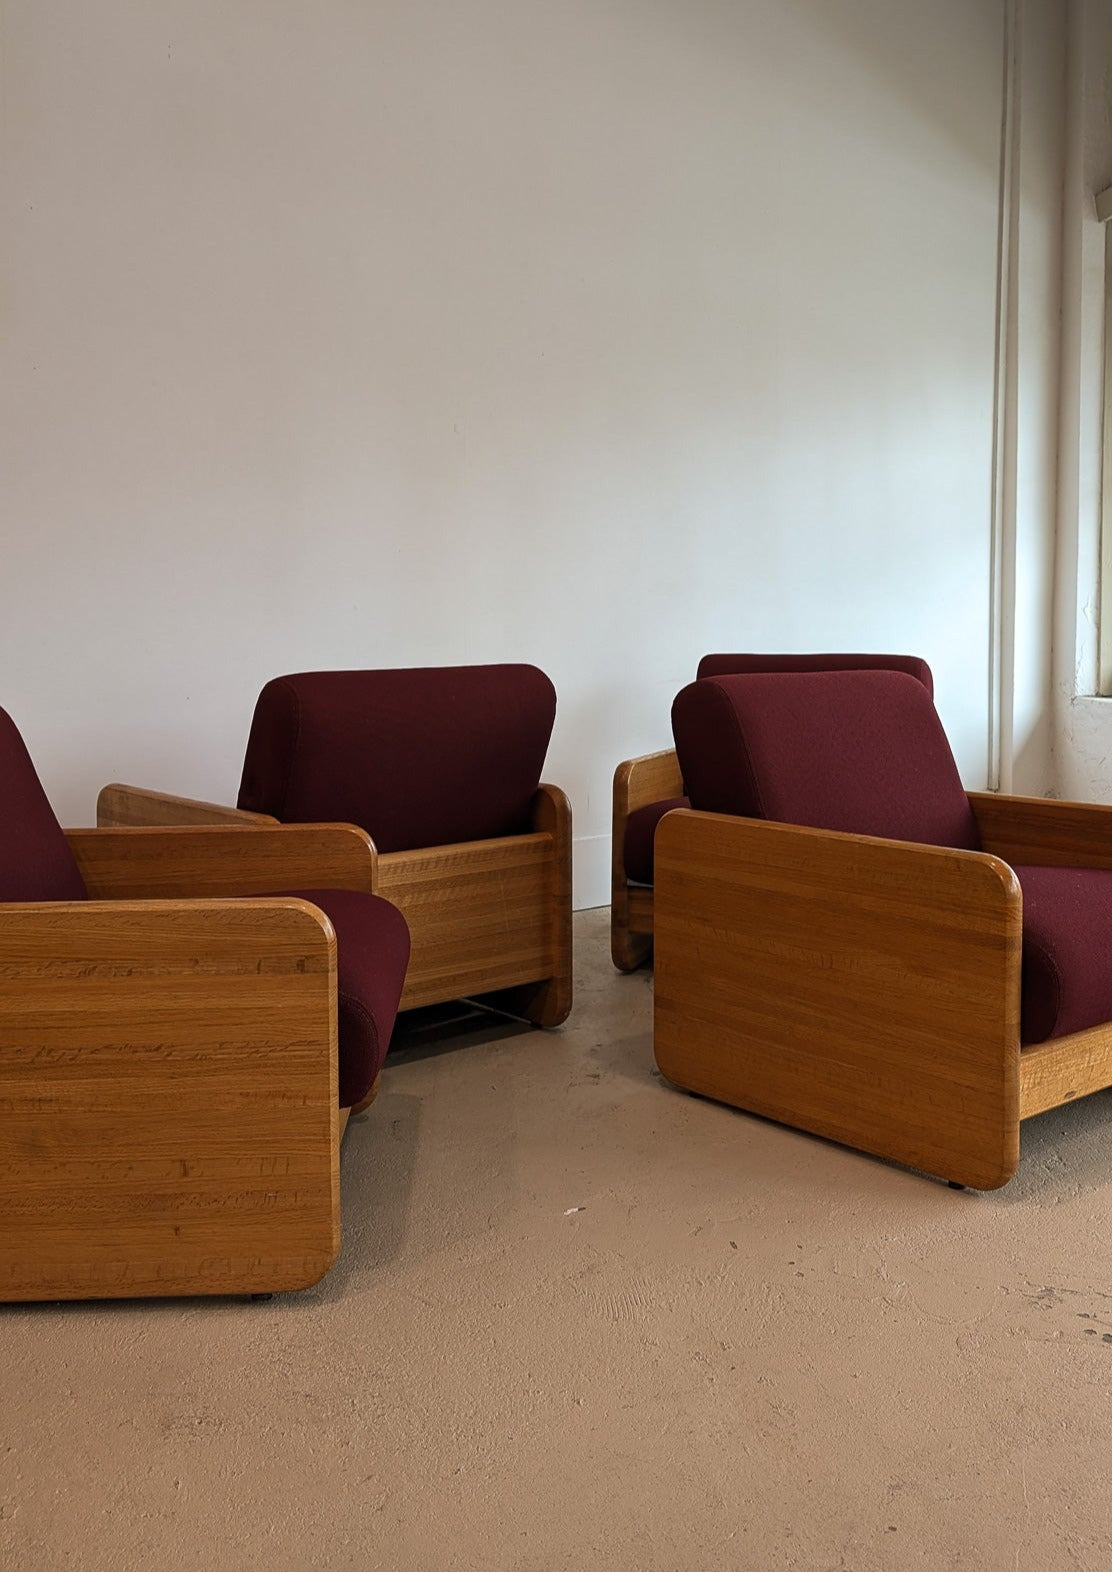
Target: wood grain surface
[148, 863]
[865, 990]
[478, 915]
[1044, 832]
[168, 1098]
[637, 783]
[547, 1000]
[119, 805]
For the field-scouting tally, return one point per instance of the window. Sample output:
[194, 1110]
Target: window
[1104, 214]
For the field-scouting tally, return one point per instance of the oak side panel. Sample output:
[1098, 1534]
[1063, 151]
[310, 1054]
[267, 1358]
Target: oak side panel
[1064, 1069]
[865, 990]
[637, 783]
[146, 863]
[547, 1002]
[649, 779]
[479, 915]
[1043, 832]
[168, 1099]
[119, 805]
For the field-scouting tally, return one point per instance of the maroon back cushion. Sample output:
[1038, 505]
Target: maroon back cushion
[36, 863]
[418, 757]
[859, 751]
[740, 665]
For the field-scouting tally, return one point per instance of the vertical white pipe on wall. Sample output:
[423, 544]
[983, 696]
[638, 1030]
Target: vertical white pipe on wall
[1001, 746]
[1065, 671]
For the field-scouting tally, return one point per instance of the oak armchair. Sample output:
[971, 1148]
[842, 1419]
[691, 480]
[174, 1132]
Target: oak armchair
[441, 767]
[182, 1036]
[849, 943]
[647, 788]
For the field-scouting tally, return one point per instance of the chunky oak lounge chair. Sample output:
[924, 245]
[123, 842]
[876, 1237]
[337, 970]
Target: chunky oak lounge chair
[441, 767]
[647, 788]
[848, 943]
[182, 1036]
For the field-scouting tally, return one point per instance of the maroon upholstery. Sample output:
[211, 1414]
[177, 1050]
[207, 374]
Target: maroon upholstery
[865, 752]
[860, 751]
[640, 836]
[421, 757]
[372, 953]
[743, 665]
[1067, 945]
[36, 863]
[641, 825]
[372, 940]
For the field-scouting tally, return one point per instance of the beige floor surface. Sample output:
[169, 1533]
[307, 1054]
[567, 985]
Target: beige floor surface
[584, 1322]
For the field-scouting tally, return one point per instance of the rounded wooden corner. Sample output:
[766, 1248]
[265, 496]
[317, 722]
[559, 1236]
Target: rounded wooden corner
[362, 835]
[996, 1178]
[295, 905]
[628, 951]
[1001, 872]
[675, 824]
[556, 1000]
[316, 1274]
[560, 1014]
[104, 799]
[556, 795]
[622, 773]
[662, 1058]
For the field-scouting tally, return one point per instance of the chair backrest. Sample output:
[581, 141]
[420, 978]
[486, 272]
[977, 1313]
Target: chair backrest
[418, 757]
[36, 863]
[859, 751]
[741, 665]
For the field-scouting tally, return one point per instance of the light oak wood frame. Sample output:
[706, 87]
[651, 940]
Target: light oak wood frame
[168, 1070]
[488, 919]
[868, 990]
[637, 783]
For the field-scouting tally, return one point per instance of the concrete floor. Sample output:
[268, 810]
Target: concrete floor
[584, 1322]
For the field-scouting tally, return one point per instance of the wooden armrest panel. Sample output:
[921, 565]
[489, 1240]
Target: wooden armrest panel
[168, 1120]
[651, 778]
[863, 989]
[637, 783]
[1044, 832]
[552, 816]
[119, 805]
[146, 863]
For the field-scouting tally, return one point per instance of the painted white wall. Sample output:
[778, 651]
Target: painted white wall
[598, 335]
[1082, 754]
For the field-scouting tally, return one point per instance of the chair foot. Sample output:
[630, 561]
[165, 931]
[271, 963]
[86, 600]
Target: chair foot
[629, 951]
[546, 1003]
[258, 1299]
[954, 1184]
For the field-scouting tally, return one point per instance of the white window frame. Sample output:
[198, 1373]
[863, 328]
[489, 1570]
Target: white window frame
[1104, 214]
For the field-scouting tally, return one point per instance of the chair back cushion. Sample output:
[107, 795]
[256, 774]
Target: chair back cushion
[858, 751]
[742, 665]
[419, 757]
[36, 863]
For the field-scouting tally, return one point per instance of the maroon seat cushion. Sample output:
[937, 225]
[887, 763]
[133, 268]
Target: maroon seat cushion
[640, 836]
[421, 757]
[372, 953]
[36, 863]
[859, 751]
[1067, 950]
[742, 665]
